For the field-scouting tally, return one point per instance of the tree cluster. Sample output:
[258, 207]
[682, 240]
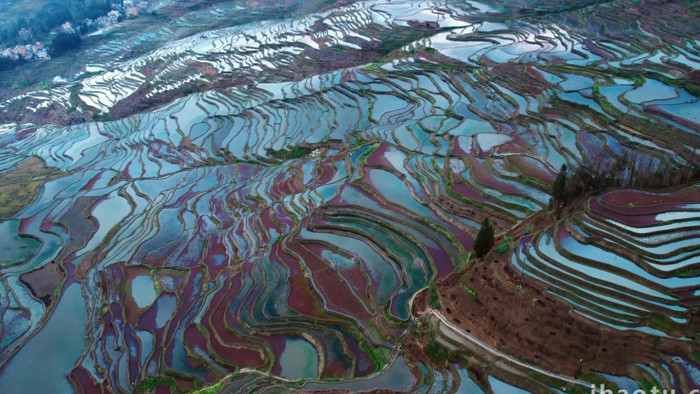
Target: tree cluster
[64, 42]
[7, 64]
[292, 152]
[634, 170]
[559, 191]
[37, 25]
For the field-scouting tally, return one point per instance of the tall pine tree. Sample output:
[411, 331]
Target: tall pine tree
[559, 188]
[484, 240]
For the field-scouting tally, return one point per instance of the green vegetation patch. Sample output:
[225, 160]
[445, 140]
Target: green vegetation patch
[57, 292]
[375, 67]
[102, 117]
[151, 383]
[661, 321]
[400, 38]
[434, 300]
[210, 390]
[528, 229]
[687, 273]
[440, 353]
[367, 152]
[695, 355]
[648, 386]
[470, 291]
[375, 354]
[503, 248]
[293, 152]
[426, 96]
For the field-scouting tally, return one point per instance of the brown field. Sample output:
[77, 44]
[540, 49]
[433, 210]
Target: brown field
[21, 185]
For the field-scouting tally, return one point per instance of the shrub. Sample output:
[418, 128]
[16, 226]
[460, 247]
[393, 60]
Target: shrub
[434, 300]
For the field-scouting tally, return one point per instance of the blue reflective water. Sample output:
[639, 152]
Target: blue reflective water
[41, 365]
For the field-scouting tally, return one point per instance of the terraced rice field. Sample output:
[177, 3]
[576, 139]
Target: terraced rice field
[618, 274]
[629, 265]
[272, 234]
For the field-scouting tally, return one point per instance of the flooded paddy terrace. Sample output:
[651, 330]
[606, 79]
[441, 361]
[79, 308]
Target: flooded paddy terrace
[188, 247]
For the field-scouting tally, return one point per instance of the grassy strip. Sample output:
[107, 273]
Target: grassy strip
[426, 96]
[434, 300]
[209, 390]
[375, 68]
[151, 383]
[294, 152]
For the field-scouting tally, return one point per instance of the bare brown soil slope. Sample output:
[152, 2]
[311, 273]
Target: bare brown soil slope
[518, 316]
